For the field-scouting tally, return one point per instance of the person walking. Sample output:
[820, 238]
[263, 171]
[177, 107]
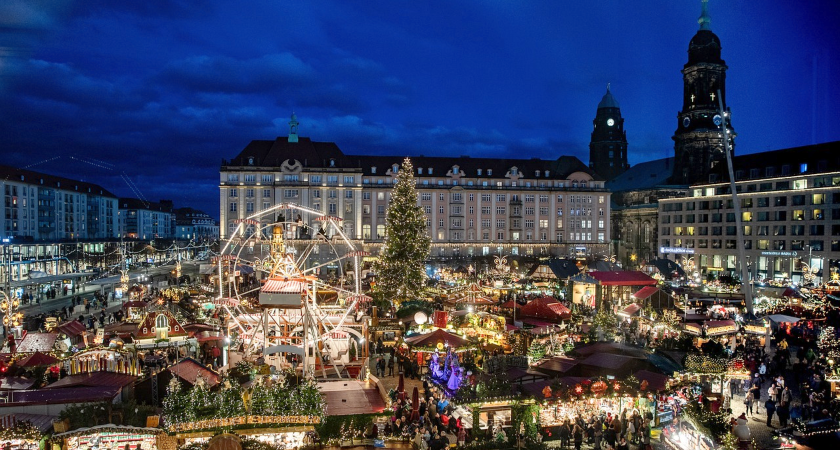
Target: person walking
[748, 402]
[391, 366]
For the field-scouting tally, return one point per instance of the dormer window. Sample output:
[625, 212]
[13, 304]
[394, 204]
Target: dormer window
[536, 173]
[513, 170]
[250, 160]
[430, 170]
[455, 170]
[489, 172]
[395, 168]
[419, 171]
[332, 162]
[479, 172]
[803, 167]
[373, 169]
[546, 174]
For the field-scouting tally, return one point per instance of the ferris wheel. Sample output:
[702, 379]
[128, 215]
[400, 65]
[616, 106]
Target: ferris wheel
[283, 310]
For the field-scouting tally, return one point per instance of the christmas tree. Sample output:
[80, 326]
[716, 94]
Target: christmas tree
[399, 270]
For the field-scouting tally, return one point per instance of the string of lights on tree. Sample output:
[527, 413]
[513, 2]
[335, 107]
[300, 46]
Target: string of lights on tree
[400, 272]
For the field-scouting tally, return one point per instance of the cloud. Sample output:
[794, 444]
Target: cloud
[268, 73]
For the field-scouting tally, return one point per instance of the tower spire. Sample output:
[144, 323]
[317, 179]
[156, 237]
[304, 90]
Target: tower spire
[705, 20]
[293, 128]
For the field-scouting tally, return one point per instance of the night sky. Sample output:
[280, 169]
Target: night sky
[156, 93]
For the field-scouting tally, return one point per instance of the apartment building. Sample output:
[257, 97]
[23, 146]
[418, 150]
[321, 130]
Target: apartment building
[474, 206]
[790, 213]
[43, 207]
[192, 224]
[144, 220]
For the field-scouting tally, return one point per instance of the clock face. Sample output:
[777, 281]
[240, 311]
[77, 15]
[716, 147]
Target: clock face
[716, 119]
[686, 122]
[610, 122]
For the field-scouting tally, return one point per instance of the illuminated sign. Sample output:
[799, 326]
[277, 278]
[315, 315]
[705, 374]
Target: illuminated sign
[677, 250]
[777, 253]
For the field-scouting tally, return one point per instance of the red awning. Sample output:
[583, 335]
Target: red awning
[624, 278]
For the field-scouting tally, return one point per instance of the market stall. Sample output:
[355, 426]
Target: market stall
[111, 436]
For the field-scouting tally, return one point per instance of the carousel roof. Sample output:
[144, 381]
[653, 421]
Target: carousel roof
[280, 286]
[435, 337]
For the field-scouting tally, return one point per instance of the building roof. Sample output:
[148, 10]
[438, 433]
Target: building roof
[610, 347]
[432, 339]
[42, 422]
[72, 328]
[327, 155]
[644, 175]
[608, 361]
[136, 203]
[351, 397]
[546, 308]
[189, 369]
[29, 176]
[623, 278]
[656, 381]
[37, 359]
[94, 379]
[37, 342]
[645, 292]
[807, 159]
[16, 383]
[563, 268]
[608, 101]
[556, 365]
[63, 396]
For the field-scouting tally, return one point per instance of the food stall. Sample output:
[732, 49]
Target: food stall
[104, 437]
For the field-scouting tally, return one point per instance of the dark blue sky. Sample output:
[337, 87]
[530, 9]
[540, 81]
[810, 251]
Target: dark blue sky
[161, 91]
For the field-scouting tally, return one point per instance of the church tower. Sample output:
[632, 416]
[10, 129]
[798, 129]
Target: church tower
[698, 141]
[608, 145]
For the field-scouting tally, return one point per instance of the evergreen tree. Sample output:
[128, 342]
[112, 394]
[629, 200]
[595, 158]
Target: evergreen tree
[400, 270]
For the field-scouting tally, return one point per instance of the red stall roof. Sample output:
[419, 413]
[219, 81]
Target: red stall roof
[624, 278]
[645, 292]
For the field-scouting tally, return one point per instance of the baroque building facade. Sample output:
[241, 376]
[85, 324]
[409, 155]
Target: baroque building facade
[474, 206]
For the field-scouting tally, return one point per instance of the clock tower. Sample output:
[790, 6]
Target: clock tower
[698, 140]
[608, 145]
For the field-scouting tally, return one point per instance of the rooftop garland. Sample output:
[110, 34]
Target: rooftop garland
[266, 397]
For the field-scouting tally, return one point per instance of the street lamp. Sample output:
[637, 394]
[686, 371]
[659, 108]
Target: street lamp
[8, 306]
